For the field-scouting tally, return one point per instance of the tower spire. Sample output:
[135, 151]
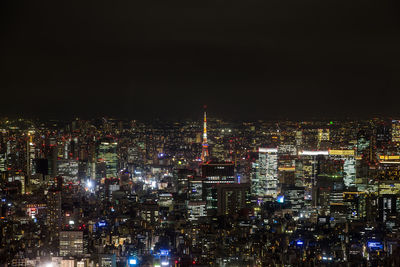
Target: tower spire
[204, 150]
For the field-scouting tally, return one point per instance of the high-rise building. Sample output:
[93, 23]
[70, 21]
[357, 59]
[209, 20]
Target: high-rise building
[231, 198]
[387, 207]
[363, 142]
[68, 169]
[182, 180]
[107, 160]
[215, 173]
[382, 134]
[307, 169]
[54, 218]
[30, 157]
[294, 198]
[71, 243]
[396, 131]
[323, 135]
[218, 172]
[196, 189]
[349, 164]
[196, 210]
[328, 192]
[299, 138]
[264, 178]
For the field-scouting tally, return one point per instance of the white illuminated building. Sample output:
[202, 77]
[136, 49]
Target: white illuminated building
[349, 165]
[196, 210]
[265, 173]
[68, 169]
[349, 169]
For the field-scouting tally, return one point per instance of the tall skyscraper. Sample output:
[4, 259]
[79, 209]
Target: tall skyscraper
[107, 160]
[215, 173]
[30, 157]
[349, 164]
[204, 151]
[307, 169]
[54, 218]
[264, 181]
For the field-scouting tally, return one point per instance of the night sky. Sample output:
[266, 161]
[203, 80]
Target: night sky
[264, 59]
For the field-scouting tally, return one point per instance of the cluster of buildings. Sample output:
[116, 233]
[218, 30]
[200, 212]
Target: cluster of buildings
[107, 192]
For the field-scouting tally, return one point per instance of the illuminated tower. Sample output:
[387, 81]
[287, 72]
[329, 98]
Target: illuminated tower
[204, 151]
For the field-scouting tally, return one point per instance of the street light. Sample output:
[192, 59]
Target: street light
[89, 184]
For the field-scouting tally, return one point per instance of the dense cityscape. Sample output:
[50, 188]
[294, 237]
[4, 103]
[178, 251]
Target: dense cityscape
[207, 192]
[258, 133]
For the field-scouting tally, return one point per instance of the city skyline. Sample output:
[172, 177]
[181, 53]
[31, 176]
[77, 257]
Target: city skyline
[211, 193]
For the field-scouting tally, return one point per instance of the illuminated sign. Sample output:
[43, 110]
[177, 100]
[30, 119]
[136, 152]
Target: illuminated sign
[375, 245]
[341, 152]
[280, 199]
[286, 168]
[385, 157]
[268, 150]
[101, 224]
[313, 153]
[132, 261]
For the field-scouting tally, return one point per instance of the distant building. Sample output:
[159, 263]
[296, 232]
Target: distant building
[231, 198]
[54, 218]
[396, 131]
[215, 173]
[149, 212]
[107, 160]
[68, 169]
[19, 262]
[107, 260]
[383, 134]
[264, 178]
[182, 180]
[349, 164]
[218, 172]
[196, 210]
[294, 198]
[196, 189]
[308, 166]
[71, 243]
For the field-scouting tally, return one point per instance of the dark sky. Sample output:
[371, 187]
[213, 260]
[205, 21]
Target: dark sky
[245, 59]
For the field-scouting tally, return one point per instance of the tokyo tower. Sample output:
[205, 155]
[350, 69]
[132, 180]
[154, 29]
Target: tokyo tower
[204, 150]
